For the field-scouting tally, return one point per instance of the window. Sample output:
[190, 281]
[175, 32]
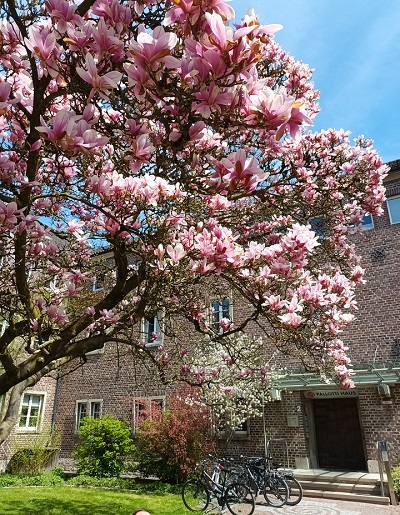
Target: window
[31, 412]
[99, 282]
[240, 431]
[318, 226]
[152, 330]
[393, 205]
[87, 408]
[147, 407]
[3, 326]
[367, 222]
[219, 309]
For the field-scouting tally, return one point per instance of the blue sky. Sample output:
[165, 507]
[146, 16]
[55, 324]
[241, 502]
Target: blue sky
[354, 47]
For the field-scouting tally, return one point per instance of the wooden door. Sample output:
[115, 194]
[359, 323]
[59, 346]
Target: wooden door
[338, 434]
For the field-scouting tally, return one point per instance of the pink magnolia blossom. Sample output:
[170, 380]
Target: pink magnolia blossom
[63, 13]
[176, 253]
[211, 99]
[42, 42]
[110, 316]
[101, 84]
[151, 50]
[237, 171]
[9, 214]
[225, 324]
[57, 313]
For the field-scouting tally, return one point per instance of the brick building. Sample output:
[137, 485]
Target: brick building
[319, 425]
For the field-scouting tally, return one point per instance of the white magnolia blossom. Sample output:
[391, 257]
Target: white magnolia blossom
[236, 376]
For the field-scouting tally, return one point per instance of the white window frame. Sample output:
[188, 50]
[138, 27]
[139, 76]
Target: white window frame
[397, 197]
[141, 400]
[100, 278]
[26, 428]
[89, 403]
[158, 328]
[3, 327]
[237, 433]
[214, 323]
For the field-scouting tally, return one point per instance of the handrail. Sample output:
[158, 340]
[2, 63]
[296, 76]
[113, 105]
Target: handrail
[383, 463]
[380, 467]
[285, 449]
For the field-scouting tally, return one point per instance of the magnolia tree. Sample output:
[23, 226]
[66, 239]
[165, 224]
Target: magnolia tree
[180, 142]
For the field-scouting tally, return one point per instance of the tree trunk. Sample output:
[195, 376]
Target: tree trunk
[11, 415]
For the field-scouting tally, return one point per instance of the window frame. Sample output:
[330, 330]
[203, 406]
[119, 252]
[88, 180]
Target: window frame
[149, 399]
[158, 328]
[367, 227]
[388, 200]
[37, 428]
[236, 434]
[88, 402]
[214, 324]
[102, 279]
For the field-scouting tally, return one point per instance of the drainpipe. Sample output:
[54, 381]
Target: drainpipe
[56, 393]
[264, 427]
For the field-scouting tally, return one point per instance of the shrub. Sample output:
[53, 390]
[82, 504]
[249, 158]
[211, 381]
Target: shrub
[37, 455]
[116, 483]
[396, 480]
[103, 445]
[29, 461]
[49, 478]
[169, 443]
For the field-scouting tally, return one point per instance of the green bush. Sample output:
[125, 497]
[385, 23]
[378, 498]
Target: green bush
[29, 460]
[103, 445]
[396, 480]
[50, 478]
[36, 456]
[117, 483]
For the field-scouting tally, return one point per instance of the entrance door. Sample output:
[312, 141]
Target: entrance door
[338, 434]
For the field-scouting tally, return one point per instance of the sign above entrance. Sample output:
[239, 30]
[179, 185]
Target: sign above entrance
[329, 394]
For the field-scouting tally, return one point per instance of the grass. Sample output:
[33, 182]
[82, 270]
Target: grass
[84, 501]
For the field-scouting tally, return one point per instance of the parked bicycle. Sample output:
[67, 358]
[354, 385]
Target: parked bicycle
[261, 478]
[217, 489]
[294, 486]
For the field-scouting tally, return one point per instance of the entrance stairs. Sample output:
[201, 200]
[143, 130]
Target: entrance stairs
[342, 485]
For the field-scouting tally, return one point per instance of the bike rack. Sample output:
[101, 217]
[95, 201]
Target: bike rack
[284, 449]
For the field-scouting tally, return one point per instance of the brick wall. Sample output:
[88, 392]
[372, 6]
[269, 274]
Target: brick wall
[374, 338]
[20, 438]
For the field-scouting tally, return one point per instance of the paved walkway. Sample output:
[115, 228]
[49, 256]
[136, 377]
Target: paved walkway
[318, 506]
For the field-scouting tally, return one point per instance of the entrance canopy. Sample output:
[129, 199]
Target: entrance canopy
[364, 375]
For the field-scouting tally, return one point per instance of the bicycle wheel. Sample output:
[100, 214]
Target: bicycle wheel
[239, 500]
[195, 495]
[276, 491]
[295, 491]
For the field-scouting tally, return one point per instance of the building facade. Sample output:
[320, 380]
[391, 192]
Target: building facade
[310, 424]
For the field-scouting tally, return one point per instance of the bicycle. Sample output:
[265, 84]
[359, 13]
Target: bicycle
[261, 478]
[295, 488]
[199, 492]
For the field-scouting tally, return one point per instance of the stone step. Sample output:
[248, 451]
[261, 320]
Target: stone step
[334, 477]
[347, 496]
[359, 488]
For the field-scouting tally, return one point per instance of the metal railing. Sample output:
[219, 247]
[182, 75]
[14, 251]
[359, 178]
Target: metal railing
[382, 451]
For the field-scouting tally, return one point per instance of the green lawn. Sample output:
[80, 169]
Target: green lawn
[84, 501]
